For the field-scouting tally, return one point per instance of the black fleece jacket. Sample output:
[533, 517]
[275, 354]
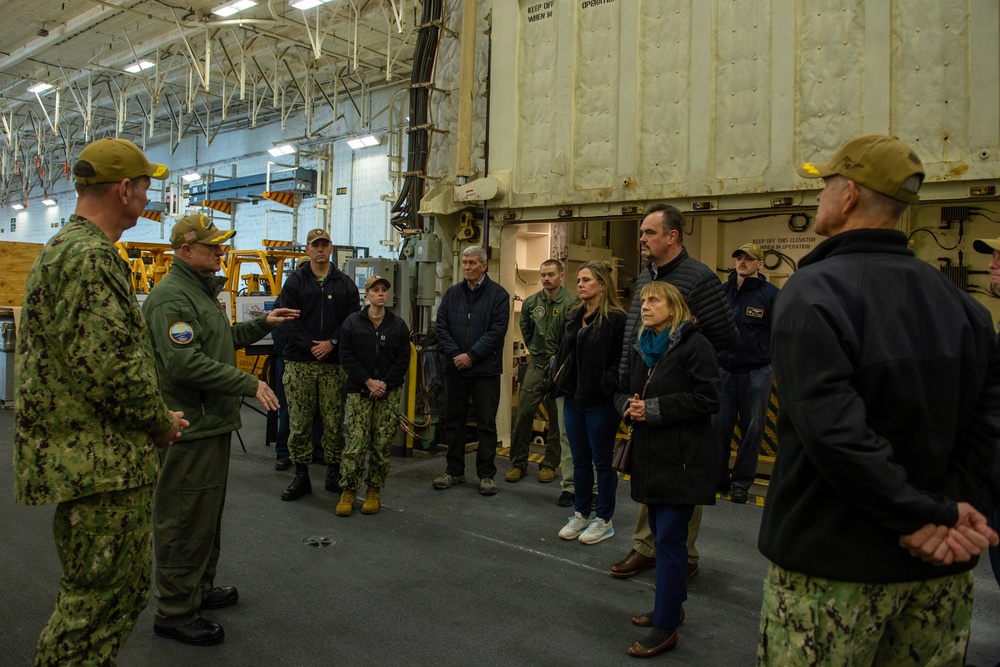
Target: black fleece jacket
[890, 410]
[367, 353]
[323, 310]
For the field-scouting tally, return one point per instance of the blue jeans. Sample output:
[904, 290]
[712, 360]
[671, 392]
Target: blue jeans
[591, 430]
[745, 394]
[669, 525]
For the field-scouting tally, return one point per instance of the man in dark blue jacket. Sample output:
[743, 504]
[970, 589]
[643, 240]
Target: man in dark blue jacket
[471, 325]
[745, 370]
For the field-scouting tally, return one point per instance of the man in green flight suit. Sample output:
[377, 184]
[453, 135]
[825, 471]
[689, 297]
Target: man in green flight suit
[195, 345]
[87, 414]
[542, 316]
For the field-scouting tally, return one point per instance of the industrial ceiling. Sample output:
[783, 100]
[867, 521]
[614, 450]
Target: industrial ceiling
[205, 72]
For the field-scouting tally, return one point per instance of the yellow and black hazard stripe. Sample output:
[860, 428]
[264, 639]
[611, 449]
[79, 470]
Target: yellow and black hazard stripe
[220, 206]
[286, 198]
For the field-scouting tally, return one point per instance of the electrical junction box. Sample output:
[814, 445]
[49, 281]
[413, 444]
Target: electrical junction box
[360, 269]
[427, 249]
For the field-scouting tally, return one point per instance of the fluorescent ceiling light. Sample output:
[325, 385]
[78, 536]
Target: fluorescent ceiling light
[362, 142]
[39, 88]
[193, 176]
[49, 202]
[278, 151]
[17, 207]
[230, 8]
[308, 4]
[135, 68]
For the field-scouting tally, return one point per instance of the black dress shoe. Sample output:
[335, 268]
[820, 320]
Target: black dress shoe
[739, 495]
[283, 463]
[217, 598]
[566, 499]
[200, 632]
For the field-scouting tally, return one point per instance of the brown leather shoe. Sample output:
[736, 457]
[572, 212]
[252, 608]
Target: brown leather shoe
[692, 572]
[646, 620]
[631, 565]
[638, 650]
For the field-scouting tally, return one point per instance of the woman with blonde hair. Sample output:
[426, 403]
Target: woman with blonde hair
[587, 362]
[669, 394]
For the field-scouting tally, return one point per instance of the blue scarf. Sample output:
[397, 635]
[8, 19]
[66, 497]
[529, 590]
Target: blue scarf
[653, 346]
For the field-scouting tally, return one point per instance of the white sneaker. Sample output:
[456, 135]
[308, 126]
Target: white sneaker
[598, 531]
[576, 525]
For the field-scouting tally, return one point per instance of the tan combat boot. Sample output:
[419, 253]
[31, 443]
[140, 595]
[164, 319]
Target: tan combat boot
[371, 501]
[346, 504]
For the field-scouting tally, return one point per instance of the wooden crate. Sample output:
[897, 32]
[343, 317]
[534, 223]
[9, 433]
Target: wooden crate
[16, 260]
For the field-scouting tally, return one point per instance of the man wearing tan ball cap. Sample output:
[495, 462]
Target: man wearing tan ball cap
[88, 414]
[889, 380]
[195, 345]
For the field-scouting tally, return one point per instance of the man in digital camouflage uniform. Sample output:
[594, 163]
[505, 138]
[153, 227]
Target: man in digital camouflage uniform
[890, 415]
[314, 379]
[88, 415]
[195, 345]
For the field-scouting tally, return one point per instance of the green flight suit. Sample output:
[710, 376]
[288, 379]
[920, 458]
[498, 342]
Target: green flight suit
[195, 346]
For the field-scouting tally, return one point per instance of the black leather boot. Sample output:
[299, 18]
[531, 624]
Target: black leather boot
[300, 485]
[333, 477]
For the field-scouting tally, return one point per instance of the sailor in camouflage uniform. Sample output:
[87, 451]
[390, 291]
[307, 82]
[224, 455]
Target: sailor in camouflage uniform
[889, 422]
[195, 345]
[375, 354]
[314, 379]
[88, 415]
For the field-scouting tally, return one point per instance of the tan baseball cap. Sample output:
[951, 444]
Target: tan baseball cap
[315, 234]
[751, 250]
[878, 162]
[986, 246]
[114, 160]
[198, 229]
[374, 280]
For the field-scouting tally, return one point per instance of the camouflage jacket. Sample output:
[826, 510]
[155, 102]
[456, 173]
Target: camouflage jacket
[85, 400]
[195, 346]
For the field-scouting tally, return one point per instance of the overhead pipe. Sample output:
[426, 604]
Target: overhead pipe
[466, 82]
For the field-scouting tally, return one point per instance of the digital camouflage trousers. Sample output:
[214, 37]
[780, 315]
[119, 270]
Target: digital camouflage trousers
[371, 424]
[104, 542]
[814, 621]
[312, 386]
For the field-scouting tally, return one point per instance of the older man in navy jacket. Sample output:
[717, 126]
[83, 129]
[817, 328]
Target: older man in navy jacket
[471, 325]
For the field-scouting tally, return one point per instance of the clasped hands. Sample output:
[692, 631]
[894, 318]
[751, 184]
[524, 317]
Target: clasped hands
[944, 545]
[636, 410]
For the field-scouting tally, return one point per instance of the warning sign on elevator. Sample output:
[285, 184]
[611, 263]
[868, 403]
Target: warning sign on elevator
[540, 11]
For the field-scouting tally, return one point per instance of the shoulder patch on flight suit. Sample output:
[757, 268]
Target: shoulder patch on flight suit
[754, 312]
[181, 333]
